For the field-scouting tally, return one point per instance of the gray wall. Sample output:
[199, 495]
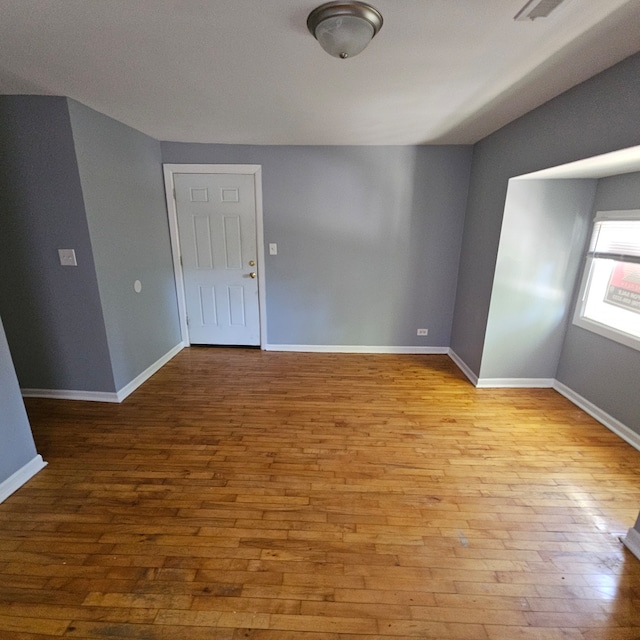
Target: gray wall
[16, 442]
[121, 177]
[368, 239]
[52, 314]
[601, 370]
[595, 117]
[544, 229]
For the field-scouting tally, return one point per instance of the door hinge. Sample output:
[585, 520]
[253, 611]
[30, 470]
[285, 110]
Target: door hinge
[187, 320]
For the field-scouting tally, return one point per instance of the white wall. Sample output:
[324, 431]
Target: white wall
[544, 229]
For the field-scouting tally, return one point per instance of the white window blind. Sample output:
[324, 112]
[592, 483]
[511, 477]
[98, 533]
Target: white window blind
[617, 240]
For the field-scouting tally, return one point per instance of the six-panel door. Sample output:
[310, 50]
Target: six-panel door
[217, 229]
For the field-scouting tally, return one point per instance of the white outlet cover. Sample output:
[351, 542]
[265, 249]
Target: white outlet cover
[67, 257]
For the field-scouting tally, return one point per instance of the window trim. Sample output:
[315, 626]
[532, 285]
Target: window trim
[587, 323]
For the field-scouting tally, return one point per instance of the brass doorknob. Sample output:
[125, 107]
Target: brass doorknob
[252, 263]
[252, 274]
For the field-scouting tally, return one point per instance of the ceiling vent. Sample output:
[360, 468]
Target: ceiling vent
[537, 9]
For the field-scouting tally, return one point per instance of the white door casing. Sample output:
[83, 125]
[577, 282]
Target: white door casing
[215, 221]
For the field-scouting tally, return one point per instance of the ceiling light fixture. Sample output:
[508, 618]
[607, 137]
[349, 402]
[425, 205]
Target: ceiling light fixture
[344, 29]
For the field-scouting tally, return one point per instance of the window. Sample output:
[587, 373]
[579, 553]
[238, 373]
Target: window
[609, 302]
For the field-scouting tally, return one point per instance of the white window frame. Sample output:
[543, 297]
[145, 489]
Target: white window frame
[587, 323]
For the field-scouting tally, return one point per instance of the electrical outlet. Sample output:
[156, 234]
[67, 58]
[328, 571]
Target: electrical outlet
[423, 332]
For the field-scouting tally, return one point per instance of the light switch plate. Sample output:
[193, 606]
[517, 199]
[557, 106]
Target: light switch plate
[273, 249]
[67, 257]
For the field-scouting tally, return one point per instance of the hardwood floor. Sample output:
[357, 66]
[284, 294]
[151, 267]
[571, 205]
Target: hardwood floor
[246, 494]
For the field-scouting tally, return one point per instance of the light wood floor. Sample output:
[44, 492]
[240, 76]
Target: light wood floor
[277, 496]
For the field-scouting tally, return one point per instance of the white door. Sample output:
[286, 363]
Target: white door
[217, 235]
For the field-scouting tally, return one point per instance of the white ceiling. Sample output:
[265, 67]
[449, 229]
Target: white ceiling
[249, 72]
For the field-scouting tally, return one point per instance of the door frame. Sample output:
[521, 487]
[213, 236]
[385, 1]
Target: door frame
[172, 212]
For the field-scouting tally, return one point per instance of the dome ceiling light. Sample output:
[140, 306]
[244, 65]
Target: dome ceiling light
[344, 29]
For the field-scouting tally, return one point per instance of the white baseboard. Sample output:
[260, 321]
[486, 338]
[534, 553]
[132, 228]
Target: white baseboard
[67, 394]
[323, 348]
[500, 383]
[515, 383]
[462, 365]
[104, 396]
[148, 372]
[20, 477]
[619, 428]
[632, 542]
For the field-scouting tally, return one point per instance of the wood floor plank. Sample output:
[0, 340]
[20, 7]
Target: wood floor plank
[51, 627]
[241, 494]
